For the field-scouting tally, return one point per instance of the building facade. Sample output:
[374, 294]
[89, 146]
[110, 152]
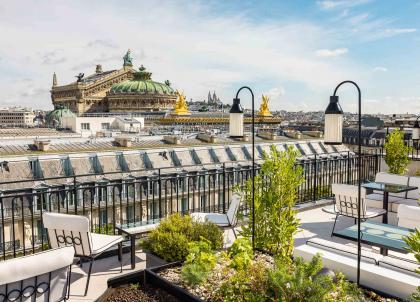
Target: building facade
[118, 90]
[17, 117]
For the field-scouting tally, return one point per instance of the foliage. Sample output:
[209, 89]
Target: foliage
[199, 263]
[413, 241]
[276, 189]
[250, 284]
[170, 240]
[241, 253]
[287, 281]
[396, 156]
[107, 229]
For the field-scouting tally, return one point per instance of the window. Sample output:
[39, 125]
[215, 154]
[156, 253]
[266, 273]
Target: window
[203, 201]
[130, 214]
[184, 205]
[103, 217]
[105, 126]
[85, 126]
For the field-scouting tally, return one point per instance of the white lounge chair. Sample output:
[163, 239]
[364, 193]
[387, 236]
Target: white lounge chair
[346, 203]
[39, 277]
[409, 216]
[228, 220]
[74, 230]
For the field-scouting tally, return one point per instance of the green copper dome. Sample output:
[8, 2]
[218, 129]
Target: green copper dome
[143, 84]
[53, 118]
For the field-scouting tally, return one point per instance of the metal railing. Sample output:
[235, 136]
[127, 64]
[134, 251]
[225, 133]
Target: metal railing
[108, 201]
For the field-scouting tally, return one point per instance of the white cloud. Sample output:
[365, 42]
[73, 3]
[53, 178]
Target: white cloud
[380, 68]
[397, 31]
[221, 52]
[334, 4]
[331, 52]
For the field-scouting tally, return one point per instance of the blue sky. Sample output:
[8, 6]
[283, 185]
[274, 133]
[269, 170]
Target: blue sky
[295, 51]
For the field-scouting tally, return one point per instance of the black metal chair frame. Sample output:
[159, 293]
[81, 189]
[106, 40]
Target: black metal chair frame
[77, 241]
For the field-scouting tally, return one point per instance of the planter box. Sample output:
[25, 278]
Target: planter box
[150, 276]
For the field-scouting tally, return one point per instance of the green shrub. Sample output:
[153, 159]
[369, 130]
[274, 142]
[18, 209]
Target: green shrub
[250, 284]
[413, 241]
[276, 188]
[171, 238]
[287, 281]
[396, 156]
[107, 229]
[241, 253]
[199, 263]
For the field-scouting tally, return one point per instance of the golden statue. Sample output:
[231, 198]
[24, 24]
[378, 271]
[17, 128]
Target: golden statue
[181, 106]
[264, 111]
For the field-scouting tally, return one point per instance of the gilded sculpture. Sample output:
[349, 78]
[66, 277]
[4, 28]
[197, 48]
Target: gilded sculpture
[264, 110]
[181, 106]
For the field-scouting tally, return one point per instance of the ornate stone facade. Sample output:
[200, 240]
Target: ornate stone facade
[95, 93]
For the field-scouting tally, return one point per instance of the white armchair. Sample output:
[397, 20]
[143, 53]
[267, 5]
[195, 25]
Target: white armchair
[74, 230]
[409, 216]
[346, 203]
[228, 220]
[38, 277]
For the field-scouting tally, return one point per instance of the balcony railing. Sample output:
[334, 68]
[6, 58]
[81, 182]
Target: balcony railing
[110, 201]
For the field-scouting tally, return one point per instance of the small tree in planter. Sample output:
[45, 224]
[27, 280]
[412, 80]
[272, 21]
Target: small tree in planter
[396, 156]
[276, 189]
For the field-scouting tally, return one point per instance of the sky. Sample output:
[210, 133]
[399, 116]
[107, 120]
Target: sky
[294, 51]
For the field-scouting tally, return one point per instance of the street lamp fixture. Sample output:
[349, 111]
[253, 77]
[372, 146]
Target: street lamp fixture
[236, 119]
[333, 135]
[237, 107]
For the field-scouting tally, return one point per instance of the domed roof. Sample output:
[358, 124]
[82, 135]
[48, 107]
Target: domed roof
[142, 84]
[53, 118]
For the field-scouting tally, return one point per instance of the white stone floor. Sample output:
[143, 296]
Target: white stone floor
[313, 223]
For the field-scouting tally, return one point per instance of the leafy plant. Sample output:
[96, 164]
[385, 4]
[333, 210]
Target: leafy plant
[287, 281]
[107, 229]
[396, 156]
[170, 240]
[250, 284]
[275, 196]
[241, 253]
[199, 263]
[413, 241]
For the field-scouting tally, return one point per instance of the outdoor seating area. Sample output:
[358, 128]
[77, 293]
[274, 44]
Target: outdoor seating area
[387, 210]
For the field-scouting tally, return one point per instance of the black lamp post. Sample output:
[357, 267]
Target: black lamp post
[236, 100]
[333, 135]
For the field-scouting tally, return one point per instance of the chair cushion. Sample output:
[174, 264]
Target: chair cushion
[101, 242]
[414, 182]
[216, 218]
[399, 265]
[26, 267]
[408, 202]
[409, 216]
[374, 212]
[343, 249]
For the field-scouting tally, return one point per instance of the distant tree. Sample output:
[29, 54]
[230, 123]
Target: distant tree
[396, 156]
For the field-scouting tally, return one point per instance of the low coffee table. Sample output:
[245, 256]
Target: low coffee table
[385, 236]
[132, 230]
